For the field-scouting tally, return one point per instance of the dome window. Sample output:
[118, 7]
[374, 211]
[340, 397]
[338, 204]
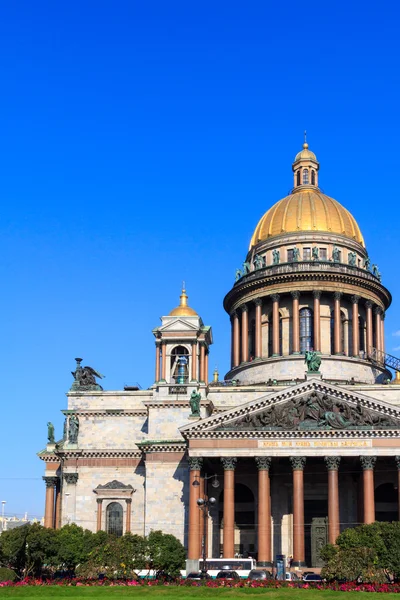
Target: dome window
[306, 330]
[313, 177]
[298, 177]
[305, 177]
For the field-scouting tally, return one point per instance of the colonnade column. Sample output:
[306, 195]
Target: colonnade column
[332, 463]
[397, 459]
[229, 465]
[194, 361]
[264, 511]
[157, 361]
[298, 463]
[201, 530]
[202, 361]
[236, 338]
[337, 342]
[368, 464]
[195, 465]
[258, 344]
[383, 315]
[99, 513]
[128, 515]
[356, 326]
[317, 320]
[245, 333]
[295, 323]
[368, 307]
[206, 368]
[275, 325]
[50, 482]
[163, 361]
[377, 311]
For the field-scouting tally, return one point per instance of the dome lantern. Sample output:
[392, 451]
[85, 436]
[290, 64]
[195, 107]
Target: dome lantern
[305, 168]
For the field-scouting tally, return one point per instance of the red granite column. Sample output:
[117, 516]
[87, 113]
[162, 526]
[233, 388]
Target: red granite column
[163, 362]
[194, 511]
[128, 515]
[275, 325]
[337, 342]
[383, 315]
[298, 463]
[368, 464]
[202, 361]
[194, 361]
[356, 326]
[264, 512]
[245, 333]
[206, 368]
[201, 526]
[236, 337]
[295, 323]
[377, 311]
[258, 344]
[99, 513]
[49, 506]
[368, 307]
[229, 507]
[332, 463]
[157, 362]
[317, 321]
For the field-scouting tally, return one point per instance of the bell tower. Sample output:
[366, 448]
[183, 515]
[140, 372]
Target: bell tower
[305, 168]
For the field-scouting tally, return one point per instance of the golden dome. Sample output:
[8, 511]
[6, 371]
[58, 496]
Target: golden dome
[305, 154]
[183, 310]
[307, 209]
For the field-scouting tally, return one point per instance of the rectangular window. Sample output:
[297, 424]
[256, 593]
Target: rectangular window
[323, 255]
[290, 255]
[306, 253]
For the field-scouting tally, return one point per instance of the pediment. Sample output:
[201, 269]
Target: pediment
[313, 406]
[177, 325]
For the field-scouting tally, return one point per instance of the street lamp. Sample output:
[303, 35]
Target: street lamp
[3, 502]
[204, 504]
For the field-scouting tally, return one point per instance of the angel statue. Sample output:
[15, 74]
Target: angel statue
[85, 378]
[312, 360]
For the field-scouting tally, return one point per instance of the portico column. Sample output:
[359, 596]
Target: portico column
[163, 361]
[356, 326]
[377, 311]
[49, 505]
[258, 344]
[157, 362]
[295, 323]
[264, 511]
[57, 516]
[368, 464]
[397, 459]
[275, 325]
[368, 308]
[128, 515]
[202, 361]
[332, 463]
[236, 358]
[195, 465]
[337, 342]
[245, 333]
[317, 320]
[298, 463]
[194, 361]
[206, 368]
[229, 465]
[99, 511]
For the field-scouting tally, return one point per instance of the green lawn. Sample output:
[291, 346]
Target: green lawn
[172, 593]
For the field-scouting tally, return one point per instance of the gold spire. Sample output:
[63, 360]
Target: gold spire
[183, 310]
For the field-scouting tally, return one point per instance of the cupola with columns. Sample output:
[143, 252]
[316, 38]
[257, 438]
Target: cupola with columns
[182, 349]
[307, 283]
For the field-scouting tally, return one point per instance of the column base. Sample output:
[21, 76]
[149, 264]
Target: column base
[264, 563]
[298, 563]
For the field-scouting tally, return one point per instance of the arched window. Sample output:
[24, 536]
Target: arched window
[298, 177]
[114, 516]
[305, 177]
[306, 329]
[312, 177]
[181, 366]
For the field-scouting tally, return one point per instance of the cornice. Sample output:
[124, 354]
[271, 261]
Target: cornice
[173, 403]
[152, 446]
[108, 412]
[282, 435]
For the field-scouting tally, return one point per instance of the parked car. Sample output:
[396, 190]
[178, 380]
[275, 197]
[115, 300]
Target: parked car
[258, 574]
[198, 575]
[291, 576]
[312, 577]
[229, 575]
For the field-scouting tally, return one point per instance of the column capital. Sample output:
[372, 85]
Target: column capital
[258, 301]
[128, 500]
[229, 463]
[298, 462]
[337, 295]
[383, 316]
[99, 501]
[397, 459]
[71, 478]
[195, 463]
[332, 462]
[263, 463]
[317, 294]
[377, 310]
[158, 343]
[234, 314]
[355, 299]
[367, 462]
[50, 481]
[295, 295]
[244, 308]
[275, 297]
[368, 304]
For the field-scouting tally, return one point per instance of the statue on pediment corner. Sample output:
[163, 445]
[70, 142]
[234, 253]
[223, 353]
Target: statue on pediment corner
[85, 378]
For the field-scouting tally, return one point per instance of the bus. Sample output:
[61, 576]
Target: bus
[242, 566]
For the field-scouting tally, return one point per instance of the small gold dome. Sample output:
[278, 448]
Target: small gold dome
[183, 310]
[307, 210]
[305, 154]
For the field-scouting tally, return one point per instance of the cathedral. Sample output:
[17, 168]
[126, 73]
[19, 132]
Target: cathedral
[297, 442]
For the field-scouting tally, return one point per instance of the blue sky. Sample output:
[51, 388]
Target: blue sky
[140, 144]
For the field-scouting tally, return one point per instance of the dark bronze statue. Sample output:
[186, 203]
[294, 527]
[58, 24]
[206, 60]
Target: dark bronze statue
[50, 433]
[73, 429]
[312, 360]
[85, 378]
[194, 402]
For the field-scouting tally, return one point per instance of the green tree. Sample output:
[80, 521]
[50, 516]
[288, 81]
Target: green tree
[165, 553]
[117, 558]
[28, 548]
[74, 545]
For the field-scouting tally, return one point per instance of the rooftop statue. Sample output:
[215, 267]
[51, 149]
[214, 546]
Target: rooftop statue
[246, 268]
[194, 402]
[238, 274]
[375, 271]
[336, 254]
[296, 254]
[315, 253]
[73, 429]
[367, 263]
[50, 433]
[85, 378]
[313, 361]
[258, 262]
[276, 256]
[352, 257]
